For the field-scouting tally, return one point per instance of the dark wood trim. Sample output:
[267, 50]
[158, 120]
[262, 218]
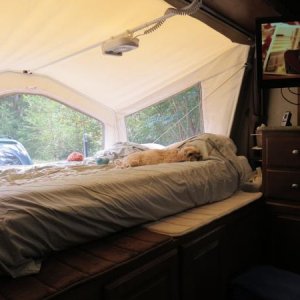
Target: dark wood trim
[218, 22]
[298, 112]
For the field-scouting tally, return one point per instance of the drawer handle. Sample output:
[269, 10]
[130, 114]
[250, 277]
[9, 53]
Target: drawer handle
[295, 186]
[295, 152]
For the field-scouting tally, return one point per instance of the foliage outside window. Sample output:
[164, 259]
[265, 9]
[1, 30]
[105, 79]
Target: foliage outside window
[169, 121]
[49, 130]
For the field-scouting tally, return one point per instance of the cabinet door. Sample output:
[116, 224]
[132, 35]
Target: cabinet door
[243, 242]
[156, 280]
[200, 266]
[285, 242]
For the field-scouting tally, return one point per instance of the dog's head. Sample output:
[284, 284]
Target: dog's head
[191, 153]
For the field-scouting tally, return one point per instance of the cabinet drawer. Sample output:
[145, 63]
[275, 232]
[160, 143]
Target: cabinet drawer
[279, 208]
[282, 185]
[283, 151]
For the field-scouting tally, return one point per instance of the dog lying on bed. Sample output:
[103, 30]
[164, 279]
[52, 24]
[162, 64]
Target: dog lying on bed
[158, 156]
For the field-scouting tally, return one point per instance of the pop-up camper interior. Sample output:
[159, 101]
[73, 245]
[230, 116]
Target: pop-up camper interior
[220, 222]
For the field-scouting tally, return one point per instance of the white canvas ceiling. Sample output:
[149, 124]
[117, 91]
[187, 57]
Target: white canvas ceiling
[36, 34]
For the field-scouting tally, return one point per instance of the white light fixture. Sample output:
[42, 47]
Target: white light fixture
[126, 41]
[119, 45]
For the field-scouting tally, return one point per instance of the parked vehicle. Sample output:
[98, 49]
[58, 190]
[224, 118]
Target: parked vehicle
[13, 152]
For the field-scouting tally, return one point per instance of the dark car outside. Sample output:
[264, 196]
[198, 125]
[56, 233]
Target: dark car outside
[13, 152]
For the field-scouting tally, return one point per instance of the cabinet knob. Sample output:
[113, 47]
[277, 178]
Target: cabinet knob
[295, 151]
[295, 186]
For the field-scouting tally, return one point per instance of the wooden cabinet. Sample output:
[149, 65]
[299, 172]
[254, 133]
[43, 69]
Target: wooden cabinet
[212, 257]
[155, 280]
[197, 265]
[201, 267]
[281, 186]
[243, 242]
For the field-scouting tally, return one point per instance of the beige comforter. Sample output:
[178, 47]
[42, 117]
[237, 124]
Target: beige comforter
[57, 208]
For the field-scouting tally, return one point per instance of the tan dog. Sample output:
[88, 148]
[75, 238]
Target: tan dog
[152, 157]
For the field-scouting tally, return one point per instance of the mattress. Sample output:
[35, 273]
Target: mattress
[43, 210]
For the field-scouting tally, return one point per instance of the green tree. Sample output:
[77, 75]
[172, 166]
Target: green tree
[49, 130]
[169, 121]
[12, 110]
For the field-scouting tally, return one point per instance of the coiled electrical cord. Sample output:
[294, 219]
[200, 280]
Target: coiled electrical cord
[185, 11]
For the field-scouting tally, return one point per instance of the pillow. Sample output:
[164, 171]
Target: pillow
[120, 150]
[223, 142]
[209, 145]
[215, 147]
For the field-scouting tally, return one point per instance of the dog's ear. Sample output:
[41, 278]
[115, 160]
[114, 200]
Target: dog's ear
[192, 154]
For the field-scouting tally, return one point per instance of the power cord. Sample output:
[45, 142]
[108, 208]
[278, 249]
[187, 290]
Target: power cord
[286, 99]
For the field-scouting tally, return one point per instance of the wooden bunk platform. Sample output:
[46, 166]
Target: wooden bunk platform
[216, 242]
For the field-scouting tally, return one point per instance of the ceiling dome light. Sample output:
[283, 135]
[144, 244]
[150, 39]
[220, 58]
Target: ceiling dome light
[116, 46]
[126, 42]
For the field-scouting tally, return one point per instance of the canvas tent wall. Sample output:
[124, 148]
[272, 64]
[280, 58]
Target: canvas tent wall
[43, 36]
